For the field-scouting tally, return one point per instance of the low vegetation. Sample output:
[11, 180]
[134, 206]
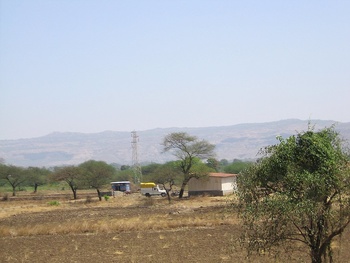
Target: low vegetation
[298, 192]
[159, 215]
[294, 199]
[212, 223]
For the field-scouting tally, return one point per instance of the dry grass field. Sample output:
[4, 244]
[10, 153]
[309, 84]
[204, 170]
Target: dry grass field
[53, 228]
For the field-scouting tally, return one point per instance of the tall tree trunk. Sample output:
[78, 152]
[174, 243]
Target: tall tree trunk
[316, 257]
[168, 194]
[13, 185]
[35, 187]
[182, 190]
[184, 183]
[74, 190]
[99, 194]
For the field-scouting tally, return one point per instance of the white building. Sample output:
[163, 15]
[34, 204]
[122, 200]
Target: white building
[216, 184]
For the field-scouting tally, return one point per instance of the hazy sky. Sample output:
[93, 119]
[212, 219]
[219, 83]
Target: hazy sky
[91, 66]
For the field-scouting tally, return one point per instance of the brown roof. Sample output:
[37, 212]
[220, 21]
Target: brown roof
[221, 175]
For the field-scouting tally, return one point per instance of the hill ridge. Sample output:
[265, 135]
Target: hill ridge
[239, 141]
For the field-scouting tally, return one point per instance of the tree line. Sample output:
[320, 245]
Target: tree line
[98, 174]
[297, 191]
[195, 159]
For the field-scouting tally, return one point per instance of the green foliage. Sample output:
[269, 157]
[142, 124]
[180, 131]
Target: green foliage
[166, 175]
[37, 177]
[298, 191]
[189, 151]
[213, 164]
[106, 197]
[54, 203]
[19, 177]
[200, 170]
[223, 163]
[150, 168]
[71, 175]
[123, 175]
[12, 175]
[125, 167]
[237, 166]
[96, 174]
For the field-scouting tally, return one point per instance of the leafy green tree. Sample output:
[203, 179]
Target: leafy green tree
[214, 164]
[13, 175]
[223, 162]
[125, 167]
[37, 176]
[71, 175]
[97, 174]
[237, 166]
[167, 175]
[188, 149]
[123, 175]
[150, 168]
[299, 191]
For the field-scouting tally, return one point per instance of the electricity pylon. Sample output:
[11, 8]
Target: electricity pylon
[135, 160]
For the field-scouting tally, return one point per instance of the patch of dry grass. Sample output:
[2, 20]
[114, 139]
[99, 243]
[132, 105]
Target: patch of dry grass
[31, 203]
[181, 214]
[136, 223]
[11, 208]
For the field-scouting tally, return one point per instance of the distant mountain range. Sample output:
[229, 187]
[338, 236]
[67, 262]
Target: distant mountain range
[241, 141]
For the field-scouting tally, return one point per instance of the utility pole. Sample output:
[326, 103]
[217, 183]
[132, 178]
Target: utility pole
[135, 160]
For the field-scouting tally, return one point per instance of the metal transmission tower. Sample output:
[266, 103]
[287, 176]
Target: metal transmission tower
[135, 160]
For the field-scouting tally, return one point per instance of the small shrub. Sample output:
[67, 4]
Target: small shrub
[5, 197]
[88, 199]
[106, 197]
[148, 201]
[54, 203]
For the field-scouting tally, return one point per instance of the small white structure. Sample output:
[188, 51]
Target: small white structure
[121, 186]
[216, 184]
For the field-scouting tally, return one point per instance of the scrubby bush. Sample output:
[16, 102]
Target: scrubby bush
[5, 197]
[54, 203]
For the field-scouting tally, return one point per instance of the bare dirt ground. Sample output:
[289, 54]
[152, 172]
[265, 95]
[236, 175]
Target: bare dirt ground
[129, 229]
